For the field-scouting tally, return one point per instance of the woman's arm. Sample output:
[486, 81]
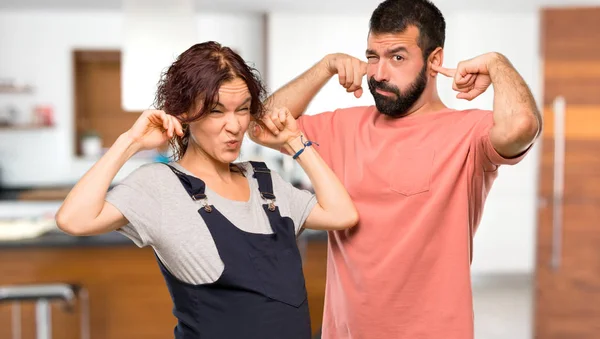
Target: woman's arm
[85, 211]
[334, 209]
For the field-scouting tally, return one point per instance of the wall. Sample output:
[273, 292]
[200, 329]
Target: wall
[36, 47]
[506, 238]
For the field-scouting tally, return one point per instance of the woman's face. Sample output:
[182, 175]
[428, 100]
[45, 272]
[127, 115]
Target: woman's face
[220, 132]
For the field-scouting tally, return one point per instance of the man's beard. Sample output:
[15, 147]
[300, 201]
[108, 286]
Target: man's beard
[397, 105]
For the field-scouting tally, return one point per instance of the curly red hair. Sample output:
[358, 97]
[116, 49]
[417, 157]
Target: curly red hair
[196, 76]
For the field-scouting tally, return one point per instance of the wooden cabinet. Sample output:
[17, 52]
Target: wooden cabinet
[127, 294]
[568, 262]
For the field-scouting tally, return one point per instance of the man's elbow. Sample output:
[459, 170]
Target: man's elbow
[526, 130]
[519, 134]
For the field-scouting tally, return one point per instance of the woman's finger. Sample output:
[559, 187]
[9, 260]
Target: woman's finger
[276, 121]
[178, 126]
[266, 120]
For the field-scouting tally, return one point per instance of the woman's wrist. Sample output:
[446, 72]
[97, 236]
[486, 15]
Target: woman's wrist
[293, 144]
[127, 145]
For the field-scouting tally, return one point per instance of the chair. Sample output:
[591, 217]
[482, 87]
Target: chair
[43, 295]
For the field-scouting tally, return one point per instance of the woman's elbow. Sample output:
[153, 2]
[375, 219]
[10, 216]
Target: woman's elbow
[65, 224]
[348, 219]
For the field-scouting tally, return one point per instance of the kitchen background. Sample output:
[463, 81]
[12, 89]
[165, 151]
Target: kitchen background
[67, 67]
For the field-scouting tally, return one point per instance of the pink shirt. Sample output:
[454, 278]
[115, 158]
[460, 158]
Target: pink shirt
[419, 184]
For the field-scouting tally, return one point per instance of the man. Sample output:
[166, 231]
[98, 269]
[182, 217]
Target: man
[417, 171]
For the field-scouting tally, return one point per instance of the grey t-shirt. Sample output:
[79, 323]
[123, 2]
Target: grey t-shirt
[161, 214]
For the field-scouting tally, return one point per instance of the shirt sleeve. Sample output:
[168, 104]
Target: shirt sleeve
[300, 203]
[488, 155]
[136, 198]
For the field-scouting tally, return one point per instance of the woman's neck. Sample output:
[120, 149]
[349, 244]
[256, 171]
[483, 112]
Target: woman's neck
[201, 164]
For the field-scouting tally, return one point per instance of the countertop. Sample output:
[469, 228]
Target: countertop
[44, 201]
[60, 239]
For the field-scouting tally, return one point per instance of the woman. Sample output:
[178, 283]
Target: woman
[224, 233]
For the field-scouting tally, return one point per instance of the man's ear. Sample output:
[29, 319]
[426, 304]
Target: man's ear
[435, 58]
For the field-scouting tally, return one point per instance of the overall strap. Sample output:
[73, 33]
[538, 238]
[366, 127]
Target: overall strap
[262, 174]
[193, 186]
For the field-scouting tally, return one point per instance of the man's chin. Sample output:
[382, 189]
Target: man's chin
[394, 115]
[390, 113]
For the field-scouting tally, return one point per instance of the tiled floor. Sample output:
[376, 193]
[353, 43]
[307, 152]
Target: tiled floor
[503, 307]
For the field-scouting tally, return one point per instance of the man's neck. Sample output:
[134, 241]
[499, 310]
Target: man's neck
[427, 107]
[429, 102]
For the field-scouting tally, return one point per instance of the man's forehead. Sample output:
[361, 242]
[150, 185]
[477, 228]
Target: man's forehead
[408, 38]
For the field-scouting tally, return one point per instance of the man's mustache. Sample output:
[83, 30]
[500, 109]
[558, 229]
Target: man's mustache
[384, 86]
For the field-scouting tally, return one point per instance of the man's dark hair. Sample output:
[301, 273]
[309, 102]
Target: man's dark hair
[394, 16]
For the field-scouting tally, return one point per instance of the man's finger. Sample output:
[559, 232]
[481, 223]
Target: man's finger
[341, 74]
[349, 74]
[466, 80]
[358, 93]
[358, 77]
[363, 68]
[465, 96]
[444, 71]
[470, 95]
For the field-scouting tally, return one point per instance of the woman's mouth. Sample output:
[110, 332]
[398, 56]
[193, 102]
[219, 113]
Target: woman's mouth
[232, 143]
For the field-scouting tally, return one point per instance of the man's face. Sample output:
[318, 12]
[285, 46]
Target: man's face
[396, 71]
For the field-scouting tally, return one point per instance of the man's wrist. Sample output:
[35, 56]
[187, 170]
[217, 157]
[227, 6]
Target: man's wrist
[325, 65]
[495, 60]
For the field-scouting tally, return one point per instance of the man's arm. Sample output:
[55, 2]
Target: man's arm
[517, 120]
[298, 93]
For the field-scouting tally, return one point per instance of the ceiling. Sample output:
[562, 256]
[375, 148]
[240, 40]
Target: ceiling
[330, 6]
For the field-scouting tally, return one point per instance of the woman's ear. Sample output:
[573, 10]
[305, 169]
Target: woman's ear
[435, 58]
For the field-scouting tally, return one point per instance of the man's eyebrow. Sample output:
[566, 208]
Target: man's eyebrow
[389, 51]
[397, 49]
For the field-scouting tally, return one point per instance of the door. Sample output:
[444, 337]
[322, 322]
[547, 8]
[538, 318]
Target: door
[567, 301]
[98, 97]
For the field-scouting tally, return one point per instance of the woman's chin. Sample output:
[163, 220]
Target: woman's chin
[229, 157]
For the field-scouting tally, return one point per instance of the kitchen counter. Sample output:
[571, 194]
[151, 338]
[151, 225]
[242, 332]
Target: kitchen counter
[127, 293]
[56, 238]
[60, 239]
